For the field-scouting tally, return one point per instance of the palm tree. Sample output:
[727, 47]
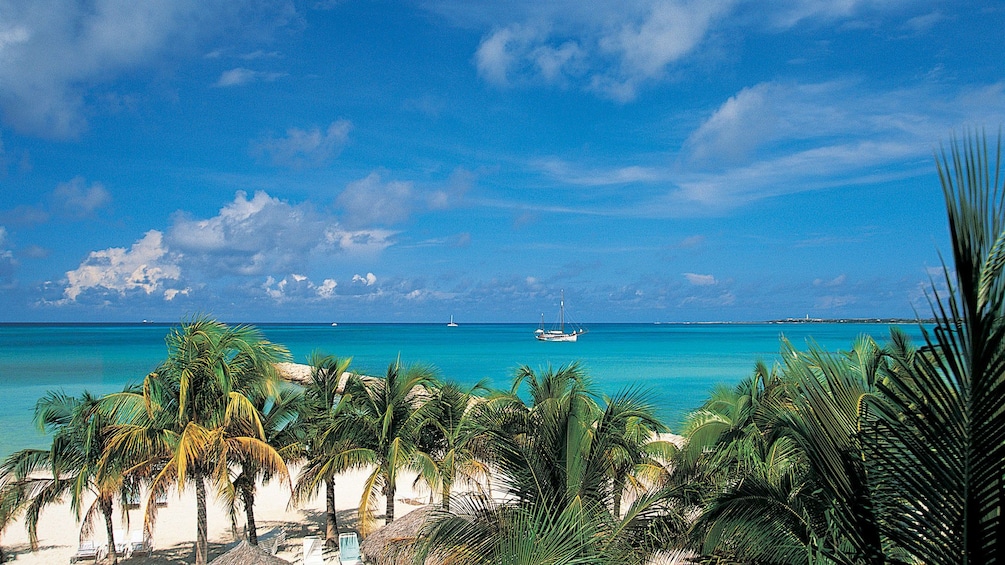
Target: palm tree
[198, 416]
[561, 458]
[942, 448]
[452, 439]
[279, 414]
[73, 465]
[321, 441]
[383, 419]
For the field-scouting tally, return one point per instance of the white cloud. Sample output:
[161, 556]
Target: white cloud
[250, 236]
[364, 242]
[76, 200]
[370, 201]
[241, 76]
[572, 174]
[305, 148]
[780, 138]
[147, 266]
[615, 48]
[522, 51]
[369, 280]
[171, 293]
[7, 261]
[295, 287]
[53, 53]
[327, 288]
[700, 280]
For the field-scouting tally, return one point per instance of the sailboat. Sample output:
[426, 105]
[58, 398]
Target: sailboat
[559, 334]
[451, 324]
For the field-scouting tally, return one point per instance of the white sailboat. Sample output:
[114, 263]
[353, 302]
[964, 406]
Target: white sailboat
[559, 334]
[451, 324]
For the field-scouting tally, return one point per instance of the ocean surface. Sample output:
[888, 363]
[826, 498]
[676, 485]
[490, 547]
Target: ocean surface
[676, 364]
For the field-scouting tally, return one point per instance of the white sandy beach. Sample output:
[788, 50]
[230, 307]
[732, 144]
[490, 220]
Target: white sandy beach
[174, 532]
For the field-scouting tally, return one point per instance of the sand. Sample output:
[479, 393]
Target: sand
[175, 530]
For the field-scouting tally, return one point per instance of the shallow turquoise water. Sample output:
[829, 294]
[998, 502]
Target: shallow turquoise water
[676, 363]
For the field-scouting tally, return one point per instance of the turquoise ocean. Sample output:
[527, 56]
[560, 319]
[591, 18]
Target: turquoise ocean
[676, 364]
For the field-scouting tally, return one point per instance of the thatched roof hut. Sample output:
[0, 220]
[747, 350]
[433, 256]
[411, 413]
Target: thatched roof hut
[247, 554]
[395, 542]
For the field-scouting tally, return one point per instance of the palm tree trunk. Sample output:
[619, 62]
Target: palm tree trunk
[248, 496]
[106, 511]
[201, 541]
[446, 494]
[331, 531]
[389, 491]
[619, 490]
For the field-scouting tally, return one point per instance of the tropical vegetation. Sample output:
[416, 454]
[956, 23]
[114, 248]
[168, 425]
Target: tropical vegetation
[885, 453]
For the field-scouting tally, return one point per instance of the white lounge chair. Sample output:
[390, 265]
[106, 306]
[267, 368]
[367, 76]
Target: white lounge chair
[314, 551]
[139, 543]
[348, 548]
[121, 543]
[272, 540]
[86, 550]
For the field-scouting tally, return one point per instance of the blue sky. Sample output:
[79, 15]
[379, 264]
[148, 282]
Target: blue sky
[681, 160]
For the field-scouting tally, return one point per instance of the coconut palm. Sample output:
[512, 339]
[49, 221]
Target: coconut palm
[73, 465]
[452, 439]
[322, 442]
[383, 419]
[560, 459]
[279, 414]
[942, 450]
[198, 417]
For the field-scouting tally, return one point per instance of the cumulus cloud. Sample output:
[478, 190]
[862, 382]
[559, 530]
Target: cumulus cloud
[241, 76]
[74, 199]
[700, 280]
[55, 52]
[365, 242]
[248, 241]
[371, 201]
[253, 236]
[296, 287]
[313, 147]
[147, 266]
[368, 280]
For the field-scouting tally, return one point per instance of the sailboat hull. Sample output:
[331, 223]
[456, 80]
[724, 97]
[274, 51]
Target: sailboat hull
[553, 336]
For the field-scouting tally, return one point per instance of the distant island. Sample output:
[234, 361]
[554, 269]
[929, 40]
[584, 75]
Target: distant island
[808, 320]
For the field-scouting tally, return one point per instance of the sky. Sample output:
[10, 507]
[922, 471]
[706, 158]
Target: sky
[409, 160]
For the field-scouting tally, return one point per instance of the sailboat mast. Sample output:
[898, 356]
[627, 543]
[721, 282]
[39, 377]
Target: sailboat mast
[561, 312]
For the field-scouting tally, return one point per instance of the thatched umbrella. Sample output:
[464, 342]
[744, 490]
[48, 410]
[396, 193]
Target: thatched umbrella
[247, 554]
[395, 542]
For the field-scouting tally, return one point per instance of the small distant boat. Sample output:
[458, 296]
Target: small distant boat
[451, 324]
[334, 324]
[559, 334]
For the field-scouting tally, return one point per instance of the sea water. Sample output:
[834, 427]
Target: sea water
[675, 365]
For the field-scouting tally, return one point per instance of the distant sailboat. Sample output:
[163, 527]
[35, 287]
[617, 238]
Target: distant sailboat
[451, 324]
[559, 334]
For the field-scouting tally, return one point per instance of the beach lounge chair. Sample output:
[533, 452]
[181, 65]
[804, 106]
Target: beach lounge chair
[314, 551]
[121, 543]
[86, 550]
[139, 543]
[272, 540]
[348, 548]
